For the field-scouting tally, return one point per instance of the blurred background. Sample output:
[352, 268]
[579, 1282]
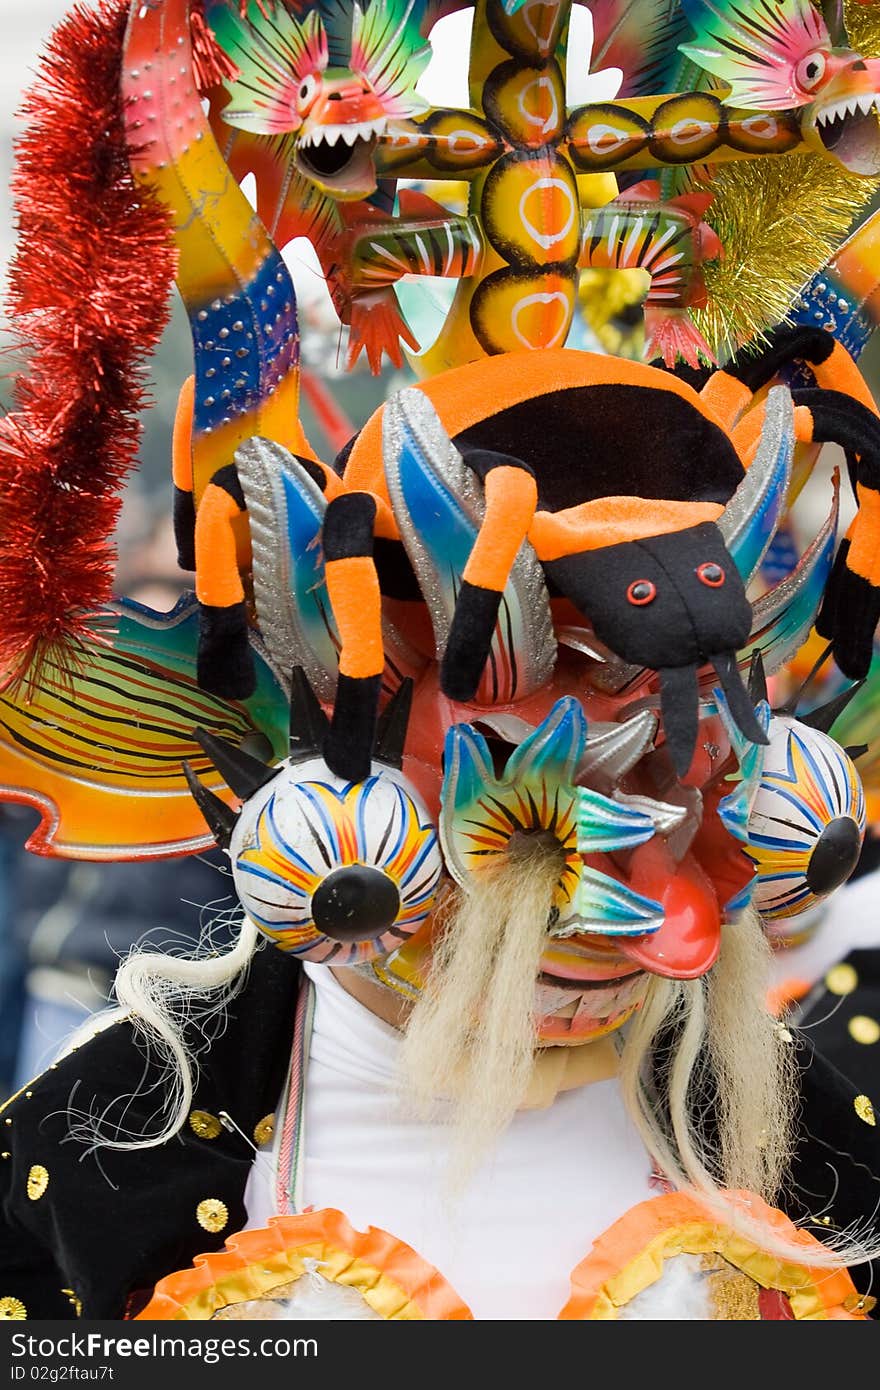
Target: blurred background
[63, 926]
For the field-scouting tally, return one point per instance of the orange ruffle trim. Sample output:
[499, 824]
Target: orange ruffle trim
[398, 1284]
[390, 1276]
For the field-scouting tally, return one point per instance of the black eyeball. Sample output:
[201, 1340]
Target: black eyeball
[835, 855]
[355, 903]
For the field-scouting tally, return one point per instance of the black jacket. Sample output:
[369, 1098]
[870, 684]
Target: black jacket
[107, 1225]
[843, 1017]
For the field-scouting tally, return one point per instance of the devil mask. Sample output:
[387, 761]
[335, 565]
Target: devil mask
[567, 739]
[579, 726]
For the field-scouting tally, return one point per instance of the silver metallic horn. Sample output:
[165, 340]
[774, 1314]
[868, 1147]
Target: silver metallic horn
[784, 615]
[285, 512]
[749, 521]
[438, 505]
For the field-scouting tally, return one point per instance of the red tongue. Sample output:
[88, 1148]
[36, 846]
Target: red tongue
[688, 943]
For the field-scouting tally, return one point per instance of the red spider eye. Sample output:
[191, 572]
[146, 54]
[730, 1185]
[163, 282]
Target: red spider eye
[711, 574]
[641, 591]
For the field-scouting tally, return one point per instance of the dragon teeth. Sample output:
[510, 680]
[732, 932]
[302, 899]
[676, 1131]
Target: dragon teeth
[349, 134]
[864, 105]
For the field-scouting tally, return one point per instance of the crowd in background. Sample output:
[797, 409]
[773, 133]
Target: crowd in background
[65, 924]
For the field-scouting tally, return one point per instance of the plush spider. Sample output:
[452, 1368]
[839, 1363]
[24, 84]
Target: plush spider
[618, 476]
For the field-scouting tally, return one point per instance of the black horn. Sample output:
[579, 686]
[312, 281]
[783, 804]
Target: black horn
[242, 773]
[393, 724]
[789, 708]
[308, 722]
[757, 679]
[856, 750]
[824, 716]
[219, 817]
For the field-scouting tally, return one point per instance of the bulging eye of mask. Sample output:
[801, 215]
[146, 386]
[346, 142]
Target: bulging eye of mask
[807, 823]
[333, 870]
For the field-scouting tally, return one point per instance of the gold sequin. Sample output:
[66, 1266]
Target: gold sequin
[733, 1296]
[863, 1029]
[865, 1110]
[5, 1154]
[264, 1129]
[12, 1309]
[841, 979]
[212, 1214]
[8, 1120]
[75, 1303]
[860, 1303]
[37, 1181]
[15, 1096]
[204, 1124]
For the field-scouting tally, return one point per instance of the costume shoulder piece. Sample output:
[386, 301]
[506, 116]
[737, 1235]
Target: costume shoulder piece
[90, 1228]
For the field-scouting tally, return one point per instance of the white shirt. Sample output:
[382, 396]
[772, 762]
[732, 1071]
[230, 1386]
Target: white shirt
[557, 1179]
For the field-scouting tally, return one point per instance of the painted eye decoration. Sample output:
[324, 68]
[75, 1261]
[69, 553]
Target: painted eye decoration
[641, 592]
[328, 869]
[335, 871]
[308, 90]
[810, 71]
[711, 575]
[807, 822]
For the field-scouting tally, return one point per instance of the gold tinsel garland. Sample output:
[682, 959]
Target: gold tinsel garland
[779, 219]
[863, 26]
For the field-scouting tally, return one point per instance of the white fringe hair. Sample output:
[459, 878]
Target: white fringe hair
[710, 1048]
[696, 1047]
[164, 996]
[470, 1040]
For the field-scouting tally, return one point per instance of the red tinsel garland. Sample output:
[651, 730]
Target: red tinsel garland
[88, 300]
[210, 64]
